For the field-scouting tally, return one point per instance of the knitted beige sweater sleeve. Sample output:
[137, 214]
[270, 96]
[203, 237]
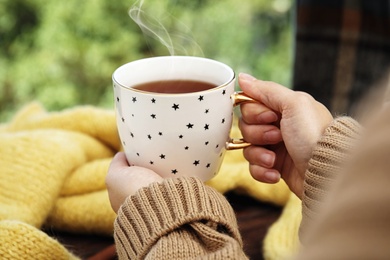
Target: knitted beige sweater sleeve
[182, 218]
[329, 156]
[177, 219]
[354, 219]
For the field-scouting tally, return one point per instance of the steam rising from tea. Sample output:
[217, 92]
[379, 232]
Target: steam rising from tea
[178, 42]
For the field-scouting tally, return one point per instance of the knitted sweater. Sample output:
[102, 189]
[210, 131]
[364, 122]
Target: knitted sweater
[52, 171]
[184, 219]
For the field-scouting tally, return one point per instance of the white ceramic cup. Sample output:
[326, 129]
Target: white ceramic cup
[176, 135]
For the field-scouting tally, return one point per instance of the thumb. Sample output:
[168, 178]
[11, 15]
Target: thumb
[118, 162]
[271, 94]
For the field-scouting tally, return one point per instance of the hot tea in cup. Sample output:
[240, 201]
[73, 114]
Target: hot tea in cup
[174, 114]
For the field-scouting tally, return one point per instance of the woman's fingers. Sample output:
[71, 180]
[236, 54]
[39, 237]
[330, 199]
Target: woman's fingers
[262, 174]
[260, 134]
[256, 124]
[256, 113]
[260, 156]
[123, 181]
[119, 161]
[262, 163]
[272, 95]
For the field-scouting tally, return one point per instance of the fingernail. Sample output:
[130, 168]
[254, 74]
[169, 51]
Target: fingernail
[272, 136]
[267, 159]
[272, 177]
[247, 77]
[267, 117]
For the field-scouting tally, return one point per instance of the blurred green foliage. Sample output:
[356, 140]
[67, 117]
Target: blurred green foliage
[63, 53]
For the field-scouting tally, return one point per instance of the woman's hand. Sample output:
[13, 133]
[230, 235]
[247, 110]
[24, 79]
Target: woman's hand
[283, 127]
[123, 180]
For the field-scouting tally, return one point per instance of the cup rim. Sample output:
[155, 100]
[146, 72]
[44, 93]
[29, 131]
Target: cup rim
[229, 81]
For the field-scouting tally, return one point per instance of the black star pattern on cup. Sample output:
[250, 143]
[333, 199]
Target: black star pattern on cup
[208, 114]
[175, 106]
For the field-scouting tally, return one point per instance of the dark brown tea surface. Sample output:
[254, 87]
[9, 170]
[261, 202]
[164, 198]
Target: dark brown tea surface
[174, 86]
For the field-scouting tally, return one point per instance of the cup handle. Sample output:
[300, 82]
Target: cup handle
[237, 99]
[240, 97]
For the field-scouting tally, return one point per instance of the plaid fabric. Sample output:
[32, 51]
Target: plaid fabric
[342, 50]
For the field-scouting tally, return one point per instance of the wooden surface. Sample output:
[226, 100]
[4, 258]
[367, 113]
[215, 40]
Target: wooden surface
[254, 218]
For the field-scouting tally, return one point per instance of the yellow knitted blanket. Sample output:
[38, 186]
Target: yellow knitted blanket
[52, 173]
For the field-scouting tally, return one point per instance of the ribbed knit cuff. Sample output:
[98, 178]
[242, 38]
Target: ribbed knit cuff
[164, 207]
[330, 154]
